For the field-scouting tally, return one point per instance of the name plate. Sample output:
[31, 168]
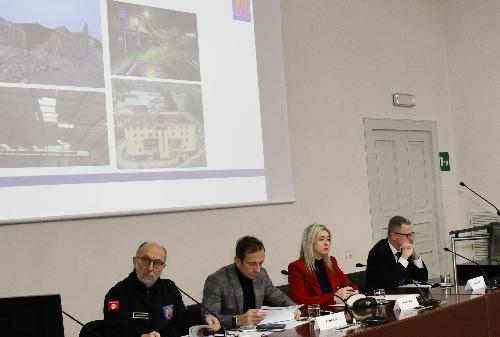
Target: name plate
[475, 283]
[331, 321]
[406, 302]
[402, 314]
[476, 292]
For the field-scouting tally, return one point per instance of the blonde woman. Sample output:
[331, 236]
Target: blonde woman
[316, 276]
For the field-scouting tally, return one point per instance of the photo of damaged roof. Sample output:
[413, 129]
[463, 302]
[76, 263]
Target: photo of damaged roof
[52, 128]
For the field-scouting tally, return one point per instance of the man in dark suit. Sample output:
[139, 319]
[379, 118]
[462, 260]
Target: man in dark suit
[394, 261]
[236, 292]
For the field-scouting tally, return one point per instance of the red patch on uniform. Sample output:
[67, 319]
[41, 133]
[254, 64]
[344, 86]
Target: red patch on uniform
[113, 305]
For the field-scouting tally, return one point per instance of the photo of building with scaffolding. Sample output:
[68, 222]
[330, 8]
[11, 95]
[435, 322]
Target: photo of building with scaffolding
[158, 124]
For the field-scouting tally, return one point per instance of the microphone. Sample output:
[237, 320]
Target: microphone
[92, 331]
[348, 309]
[462, 184]
[487, 280]
[426, 302]
[360, 265]
[199, 303]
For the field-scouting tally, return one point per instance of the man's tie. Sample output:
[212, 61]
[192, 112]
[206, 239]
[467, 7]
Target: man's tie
[402, 282]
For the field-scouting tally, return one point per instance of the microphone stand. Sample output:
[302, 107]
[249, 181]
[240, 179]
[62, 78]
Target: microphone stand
[92, 331]
[201, 305]
[467, 187]
[490, 284]
[426, 302]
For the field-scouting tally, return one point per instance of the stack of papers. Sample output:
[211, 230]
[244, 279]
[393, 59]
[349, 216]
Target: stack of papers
[279, 314]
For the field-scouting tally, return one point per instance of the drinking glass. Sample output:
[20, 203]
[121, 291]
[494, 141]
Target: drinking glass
[445, 281]
[379, 295]
[313, 311]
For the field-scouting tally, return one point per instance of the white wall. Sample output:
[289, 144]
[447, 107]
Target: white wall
[473, 54]
[343, 60]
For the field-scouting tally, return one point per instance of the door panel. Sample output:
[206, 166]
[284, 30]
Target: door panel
[401, 175]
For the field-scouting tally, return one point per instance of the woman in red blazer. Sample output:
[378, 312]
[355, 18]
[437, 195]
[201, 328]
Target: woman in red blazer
[316, 276]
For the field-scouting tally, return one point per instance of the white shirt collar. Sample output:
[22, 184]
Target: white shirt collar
[394, 250]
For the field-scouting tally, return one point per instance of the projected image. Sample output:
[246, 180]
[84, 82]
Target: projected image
[158, 125]
[152, 42]
[54, 42]
[52, 128]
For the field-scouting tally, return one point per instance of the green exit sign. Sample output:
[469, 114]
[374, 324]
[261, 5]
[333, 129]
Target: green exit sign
[444, 161]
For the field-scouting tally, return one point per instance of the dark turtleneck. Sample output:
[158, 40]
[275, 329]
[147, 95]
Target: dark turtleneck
[248, 293]
[319, 270]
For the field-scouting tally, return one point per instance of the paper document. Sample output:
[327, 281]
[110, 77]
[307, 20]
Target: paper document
[279, 314]
[198, 330]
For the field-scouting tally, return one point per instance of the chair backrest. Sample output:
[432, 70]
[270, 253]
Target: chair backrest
[285, 288]
[194, 314]
[93, 329]
[359, 279]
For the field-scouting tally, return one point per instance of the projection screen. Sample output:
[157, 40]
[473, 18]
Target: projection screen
[129, 107]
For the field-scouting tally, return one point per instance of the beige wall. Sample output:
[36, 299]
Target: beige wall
[343, 60]
[473, 56]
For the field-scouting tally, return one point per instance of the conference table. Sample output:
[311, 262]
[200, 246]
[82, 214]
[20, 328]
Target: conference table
[460, 313]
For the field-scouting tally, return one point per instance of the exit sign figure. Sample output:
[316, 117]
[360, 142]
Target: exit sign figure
[444, 161]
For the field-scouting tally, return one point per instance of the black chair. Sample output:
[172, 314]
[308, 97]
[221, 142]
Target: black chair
[93, 329]
[359, 279]
[194, 314]
[285, 288]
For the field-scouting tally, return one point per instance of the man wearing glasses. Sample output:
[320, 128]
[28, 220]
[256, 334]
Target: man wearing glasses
[145, 305]
[394, 261]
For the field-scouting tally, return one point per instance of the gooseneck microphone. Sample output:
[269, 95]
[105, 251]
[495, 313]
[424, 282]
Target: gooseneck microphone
[426, 302]
[347, 306]
[199, 303]
[487, 280]
[467, 187]
[348, 309]
[86, 327]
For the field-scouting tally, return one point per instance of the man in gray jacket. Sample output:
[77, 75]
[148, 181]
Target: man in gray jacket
[235, 293]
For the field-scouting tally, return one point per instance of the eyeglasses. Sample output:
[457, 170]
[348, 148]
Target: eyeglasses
[408, 235]
[146, 262]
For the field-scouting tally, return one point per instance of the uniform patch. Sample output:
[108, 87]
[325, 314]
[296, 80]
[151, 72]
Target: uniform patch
[168, 312]
[140, 315]
[113, 305]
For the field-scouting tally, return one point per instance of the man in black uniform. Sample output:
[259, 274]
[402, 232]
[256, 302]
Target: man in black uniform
[143, 305]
